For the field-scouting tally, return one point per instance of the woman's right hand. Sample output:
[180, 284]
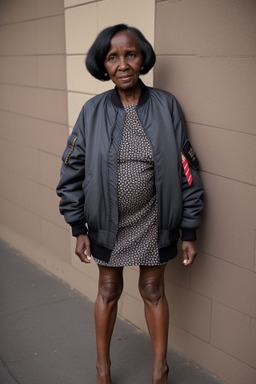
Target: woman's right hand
[83, 248]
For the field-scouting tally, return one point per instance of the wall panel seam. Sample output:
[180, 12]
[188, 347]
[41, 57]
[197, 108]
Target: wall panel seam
[31, 20]
[21, 206]
[64, 89]
[191, 334]
[22, 176]
[225, 261]
[213, 346]
[83, 4]
[34, 118]
[206, 56]
[226, 177]
[39, 215]
[34, 55]
[234, 309]
[218, 127]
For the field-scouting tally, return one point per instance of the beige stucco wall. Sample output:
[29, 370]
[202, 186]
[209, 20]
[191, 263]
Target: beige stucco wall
[33, 118]
[206, 57]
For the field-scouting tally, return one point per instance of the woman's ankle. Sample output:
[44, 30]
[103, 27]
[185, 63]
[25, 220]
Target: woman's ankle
[160, 372]
[103, 372]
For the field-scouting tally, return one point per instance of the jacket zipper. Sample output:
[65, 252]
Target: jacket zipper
[72, 149]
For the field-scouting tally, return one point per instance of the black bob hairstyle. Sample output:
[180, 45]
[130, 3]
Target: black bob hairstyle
[98, 51]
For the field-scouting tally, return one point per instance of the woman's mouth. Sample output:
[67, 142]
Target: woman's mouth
[125, 77]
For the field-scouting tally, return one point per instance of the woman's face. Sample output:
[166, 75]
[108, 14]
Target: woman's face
[123, 60]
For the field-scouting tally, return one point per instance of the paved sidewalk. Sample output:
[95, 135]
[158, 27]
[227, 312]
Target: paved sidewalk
[47, 334]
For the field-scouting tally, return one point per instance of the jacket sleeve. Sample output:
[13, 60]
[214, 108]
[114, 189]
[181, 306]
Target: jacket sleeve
[191, 193]
[70, 186]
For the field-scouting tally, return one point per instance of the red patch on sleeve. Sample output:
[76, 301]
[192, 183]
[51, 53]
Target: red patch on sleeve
[186, 169]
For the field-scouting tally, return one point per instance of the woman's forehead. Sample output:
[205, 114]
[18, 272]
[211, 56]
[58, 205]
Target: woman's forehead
[124, 39]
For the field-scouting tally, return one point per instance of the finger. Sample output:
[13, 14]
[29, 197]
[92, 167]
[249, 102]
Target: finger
[83, 256]
[185, 258]
[190, 259]
[88, 250]
[87, 257]
[187, 262]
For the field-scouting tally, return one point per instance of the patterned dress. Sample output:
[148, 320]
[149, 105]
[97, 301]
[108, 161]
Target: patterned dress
[136, 242]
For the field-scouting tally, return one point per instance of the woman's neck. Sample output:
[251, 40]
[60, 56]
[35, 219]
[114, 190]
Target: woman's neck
[129, 96]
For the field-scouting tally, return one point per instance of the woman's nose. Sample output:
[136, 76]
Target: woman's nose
[122, 63]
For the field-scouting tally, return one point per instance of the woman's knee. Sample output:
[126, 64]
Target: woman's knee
[151, 291]
[110, 291]
[110, 287]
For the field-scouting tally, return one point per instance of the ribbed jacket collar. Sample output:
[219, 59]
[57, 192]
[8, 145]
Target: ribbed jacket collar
[115, 98]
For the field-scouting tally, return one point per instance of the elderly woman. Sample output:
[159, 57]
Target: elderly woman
[129, 185]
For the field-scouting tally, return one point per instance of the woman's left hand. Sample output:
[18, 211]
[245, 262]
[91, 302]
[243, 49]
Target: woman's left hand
[189, 252]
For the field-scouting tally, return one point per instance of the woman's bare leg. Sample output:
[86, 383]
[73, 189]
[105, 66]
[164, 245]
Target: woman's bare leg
[151, 286]
[109, 291]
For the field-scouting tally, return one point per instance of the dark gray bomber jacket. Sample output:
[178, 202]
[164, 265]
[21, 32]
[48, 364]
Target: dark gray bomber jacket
[88, 182]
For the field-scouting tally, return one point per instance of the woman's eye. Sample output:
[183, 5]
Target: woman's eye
[131, 54]
[112, 58]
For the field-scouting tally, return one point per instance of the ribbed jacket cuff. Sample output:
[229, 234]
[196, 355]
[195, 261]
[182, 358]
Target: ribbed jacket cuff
[78, 229]
[188, 235]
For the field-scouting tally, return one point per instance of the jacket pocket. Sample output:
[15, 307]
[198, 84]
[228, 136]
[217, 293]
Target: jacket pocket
[86, 182]
[87, 206]
[70, 148]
